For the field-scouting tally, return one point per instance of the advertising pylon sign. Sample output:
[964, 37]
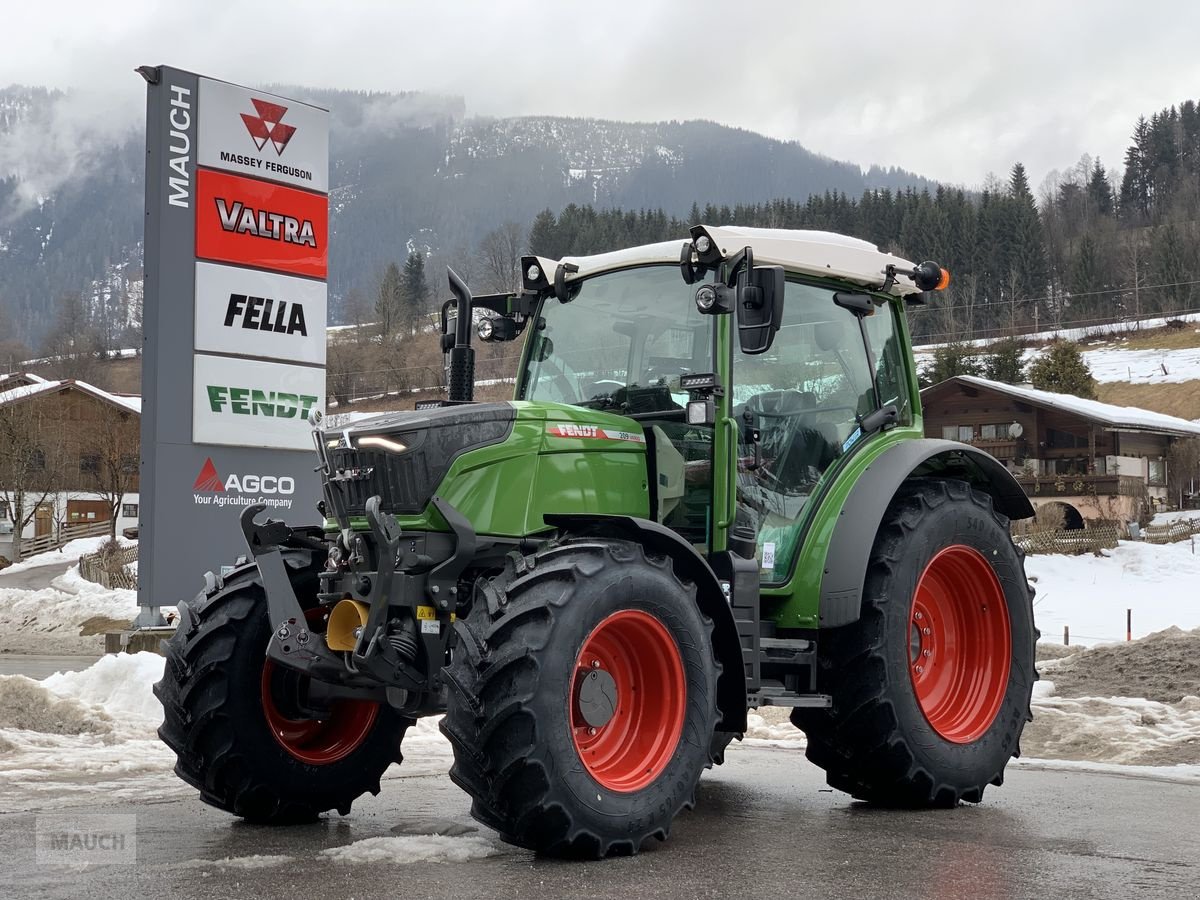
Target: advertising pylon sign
[236, 256]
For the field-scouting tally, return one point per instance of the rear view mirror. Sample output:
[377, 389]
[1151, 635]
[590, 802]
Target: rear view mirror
[759, 307]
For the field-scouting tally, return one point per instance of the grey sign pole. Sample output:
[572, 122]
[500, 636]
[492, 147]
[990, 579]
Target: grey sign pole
[249, 404]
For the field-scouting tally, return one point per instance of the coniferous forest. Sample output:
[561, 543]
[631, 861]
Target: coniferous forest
[1087, 248]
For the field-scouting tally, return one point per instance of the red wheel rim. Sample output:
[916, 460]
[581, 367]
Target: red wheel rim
[317, 742]
[960, 647]
[634, 746]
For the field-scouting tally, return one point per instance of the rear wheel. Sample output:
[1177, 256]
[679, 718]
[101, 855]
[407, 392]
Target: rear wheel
[582, 700]
[931, 686]
[245, 729]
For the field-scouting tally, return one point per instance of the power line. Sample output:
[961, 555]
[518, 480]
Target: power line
[1064, 297]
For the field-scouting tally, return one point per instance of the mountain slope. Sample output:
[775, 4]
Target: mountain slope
[407, 171]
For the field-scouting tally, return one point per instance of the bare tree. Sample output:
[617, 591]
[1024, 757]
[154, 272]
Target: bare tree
[31, 462]
[500, 257]
[114, 462]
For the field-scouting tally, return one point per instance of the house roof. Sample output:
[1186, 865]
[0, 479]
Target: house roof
[1117, 418]
[41, 386]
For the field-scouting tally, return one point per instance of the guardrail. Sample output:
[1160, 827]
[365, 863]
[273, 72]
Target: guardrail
[101, 568]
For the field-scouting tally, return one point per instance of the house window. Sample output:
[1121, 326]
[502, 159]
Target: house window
[129, 465]
[966, 433]
[37, 460]
[989, 432]
[950, 432]
[89, 463]
[1061, 440]
[4, 514]
[1158, 471]
[129, 510]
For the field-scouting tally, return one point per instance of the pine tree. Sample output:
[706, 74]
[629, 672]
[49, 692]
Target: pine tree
[948, 361]
[1061, 369]
[414, 291]
[1099, 191]
[1004, 361]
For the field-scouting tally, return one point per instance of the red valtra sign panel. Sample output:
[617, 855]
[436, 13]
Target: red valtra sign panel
[257, 223]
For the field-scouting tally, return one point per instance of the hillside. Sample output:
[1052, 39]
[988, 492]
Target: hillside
[408, 171]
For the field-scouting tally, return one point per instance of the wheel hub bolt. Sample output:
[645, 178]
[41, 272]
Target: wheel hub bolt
[925, 653]
[918, 616]
[283, 633]
[591, 731]
[595, 663]
[920, 669]
[924, 631]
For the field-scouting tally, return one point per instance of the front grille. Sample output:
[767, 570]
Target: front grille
[406, 481]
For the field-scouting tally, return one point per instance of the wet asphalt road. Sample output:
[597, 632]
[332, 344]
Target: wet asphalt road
[765, 826]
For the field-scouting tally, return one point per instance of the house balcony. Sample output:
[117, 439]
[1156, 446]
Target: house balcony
[1083, 485]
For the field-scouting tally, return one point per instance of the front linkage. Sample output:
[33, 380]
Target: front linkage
[393, 598]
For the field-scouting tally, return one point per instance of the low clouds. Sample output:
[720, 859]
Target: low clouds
[948, 89]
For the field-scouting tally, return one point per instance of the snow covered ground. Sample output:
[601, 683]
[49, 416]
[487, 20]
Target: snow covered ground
[1160, 583]
[70, 552]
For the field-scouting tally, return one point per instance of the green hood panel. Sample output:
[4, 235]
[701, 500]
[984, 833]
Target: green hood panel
[556, 459]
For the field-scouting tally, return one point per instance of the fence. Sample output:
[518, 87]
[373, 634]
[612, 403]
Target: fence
[1180, 530]
[103, 568]
[1087, 540]
[66, 534]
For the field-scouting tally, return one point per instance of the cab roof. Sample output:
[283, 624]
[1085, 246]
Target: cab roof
[820, 254]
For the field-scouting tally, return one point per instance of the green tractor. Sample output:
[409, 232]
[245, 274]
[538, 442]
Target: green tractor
[711, 494]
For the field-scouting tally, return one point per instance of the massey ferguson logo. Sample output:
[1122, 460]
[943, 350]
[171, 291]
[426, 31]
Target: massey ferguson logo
[241, 490]
[268, 126]
[242, 219]
[266, 314]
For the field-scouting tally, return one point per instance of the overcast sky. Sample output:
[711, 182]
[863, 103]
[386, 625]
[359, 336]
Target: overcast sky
[952, 90]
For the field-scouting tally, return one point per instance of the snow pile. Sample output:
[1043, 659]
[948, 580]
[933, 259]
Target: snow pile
[1159, 582]
[411, 848]
[1134, 703]
[70, 552]
[79, 732]
[771, 726]
[49, 620]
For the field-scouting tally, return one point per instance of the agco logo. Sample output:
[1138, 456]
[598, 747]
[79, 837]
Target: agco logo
[241, 490]
[268, 126]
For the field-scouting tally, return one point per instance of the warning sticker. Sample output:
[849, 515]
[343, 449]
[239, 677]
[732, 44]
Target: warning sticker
[593, 432]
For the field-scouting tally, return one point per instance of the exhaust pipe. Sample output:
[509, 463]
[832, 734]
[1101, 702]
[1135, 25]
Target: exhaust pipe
[462, 354]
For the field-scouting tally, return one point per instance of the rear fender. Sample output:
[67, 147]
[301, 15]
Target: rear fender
[850, 545]
[690, 565]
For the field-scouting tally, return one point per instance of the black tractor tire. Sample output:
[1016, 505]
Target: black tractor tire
[720, 743]
[877, 742]
[513, 704]
[214, 715]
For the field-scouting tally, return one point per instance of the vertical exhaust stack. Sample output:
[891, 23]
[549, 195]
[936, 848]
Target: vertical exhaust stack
[462, 354]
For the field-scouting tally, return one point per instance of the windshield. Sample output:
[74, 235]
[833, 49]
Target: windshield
[621, 343]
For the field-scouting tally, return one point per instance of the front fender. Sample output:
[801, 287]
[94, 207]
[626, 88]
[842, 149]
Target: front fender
[854, 534]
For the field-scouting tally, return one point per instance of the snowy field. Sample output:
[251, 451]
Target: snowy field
[1110, 362]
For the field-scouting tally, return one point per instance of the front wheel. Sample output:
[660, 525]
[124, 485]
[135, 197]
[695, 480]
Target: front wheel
[583, 700]
[931, 686]
[245, 730]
